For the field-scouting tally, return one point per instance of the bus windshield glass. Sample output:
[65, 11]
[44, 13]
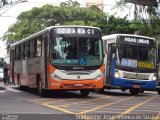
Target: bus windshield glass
[136, 56]
[76, 51]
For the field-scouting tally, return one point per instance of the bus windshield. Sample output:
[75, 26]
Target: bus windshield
[135, 56]
[77, 51]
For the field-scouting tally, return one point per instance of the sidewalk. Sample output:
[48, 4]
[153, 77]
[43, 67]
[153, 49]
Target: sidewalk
[4, 87]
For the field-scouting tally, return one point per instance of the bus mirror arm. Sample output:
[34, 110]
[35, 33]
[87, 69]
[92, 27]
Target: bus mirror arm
[114, 49]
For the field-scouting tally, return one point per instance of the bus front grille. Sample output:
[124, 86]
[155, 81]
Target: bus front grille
[136, 76]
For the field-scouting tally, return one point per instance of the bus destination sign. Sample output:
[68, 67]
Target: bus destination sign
[136, 40]
[79, 31]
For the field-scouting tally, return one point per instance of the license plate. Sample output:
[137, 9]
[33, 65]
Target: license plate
[78, 85]
[136, 86]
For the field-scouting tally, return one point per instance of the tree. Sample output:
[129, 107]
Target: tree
[118, 25]
[68, 13]
[36, 19]
[146, 19]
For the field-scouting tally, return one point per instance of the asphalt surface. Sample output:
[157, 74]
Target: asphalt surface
[17, 105]
[112, 104]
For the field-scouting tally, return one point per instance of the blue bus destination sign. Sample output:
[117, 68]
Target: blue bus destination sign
[76, 30]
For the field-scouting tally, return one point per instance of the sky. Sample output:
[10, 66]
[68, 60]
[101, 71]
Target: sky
[9, 13]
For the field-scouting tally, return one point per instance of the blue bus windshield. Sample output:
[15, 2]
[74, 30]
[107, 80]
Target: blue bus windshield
[136, 56]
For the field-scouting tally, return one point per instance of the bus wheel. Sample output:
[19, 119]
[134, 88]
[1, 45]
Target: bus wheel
[123, 89]
[134, 91]
[141, 91]
[39, 89]
[84, 93]
[99, 90]
[158, 91]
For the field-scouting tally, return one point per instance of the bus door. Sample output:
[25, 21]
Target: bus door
[12, 65]
[45, 37]
[158, 64]
[109, 63]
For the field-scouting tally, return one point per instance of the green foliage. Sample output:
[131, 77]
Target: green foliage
[146, 19]
[118, 25]
[68, 13]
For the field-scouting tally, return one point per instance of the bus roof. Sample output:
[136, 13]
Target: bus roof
[113, 36]
[48, 29]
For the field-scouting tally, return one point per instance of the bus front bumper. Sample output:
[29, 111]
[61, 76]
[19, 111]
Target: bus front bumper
[126, 83]
[76, 84]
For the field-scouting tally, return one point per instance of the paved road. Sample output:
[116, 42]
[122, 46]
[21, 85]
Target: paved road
[71, 105]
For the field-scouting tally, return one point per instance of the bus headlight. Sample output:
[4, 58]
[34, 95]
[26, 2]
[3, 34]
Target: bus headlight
[99, 76]
[54, 76]
[154, 78]
[116, 75]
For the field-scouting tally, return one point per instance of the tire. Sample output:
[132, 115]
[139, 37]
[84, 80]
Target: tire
[101, 91]
[141, 91]
[134, 91]
[123, 89]
[158, 91]
[84, 93]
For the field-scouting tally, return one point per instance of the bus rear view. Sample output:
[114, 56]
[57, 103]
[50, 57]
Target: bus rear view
[131, 62]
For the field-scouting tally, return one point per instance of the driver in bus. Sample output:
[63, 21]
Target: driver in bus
[69, 52]
[55, 54]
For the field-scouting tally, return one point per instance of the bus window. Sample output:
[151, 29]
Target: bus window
[64, 48]
[135, 54]
[110, 53]
[17, 53]
[31, 48]
[39, 46]
[24, 52]
[21, 49]
[27, 50]
[76, 50]
[146, 54]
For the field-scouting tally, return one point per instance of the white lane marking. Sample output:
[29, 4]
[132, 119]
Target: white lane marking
[2, 91]
[13, 90]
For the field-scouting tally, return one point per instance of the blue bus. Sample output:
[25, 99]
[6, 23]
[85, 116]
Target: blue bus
[130, 62]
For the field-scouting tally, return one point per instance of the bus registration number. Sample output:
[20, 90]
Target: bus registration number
[78, 85]
[136, 86]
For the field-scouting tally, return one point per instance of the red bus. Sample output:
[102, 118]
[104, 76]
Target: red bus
[59, 58]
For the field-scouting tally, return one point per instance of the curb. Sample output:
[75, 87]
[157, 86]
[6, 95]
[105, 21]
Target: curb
[3, 87]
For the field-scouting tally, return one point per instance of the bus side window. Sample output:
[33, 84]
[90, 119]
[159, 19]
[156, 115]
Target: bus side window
[39, 46]
[23, 51]
[35, 47]
[31, 48]
[21, 47]
[27, 50]
[17, 53]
